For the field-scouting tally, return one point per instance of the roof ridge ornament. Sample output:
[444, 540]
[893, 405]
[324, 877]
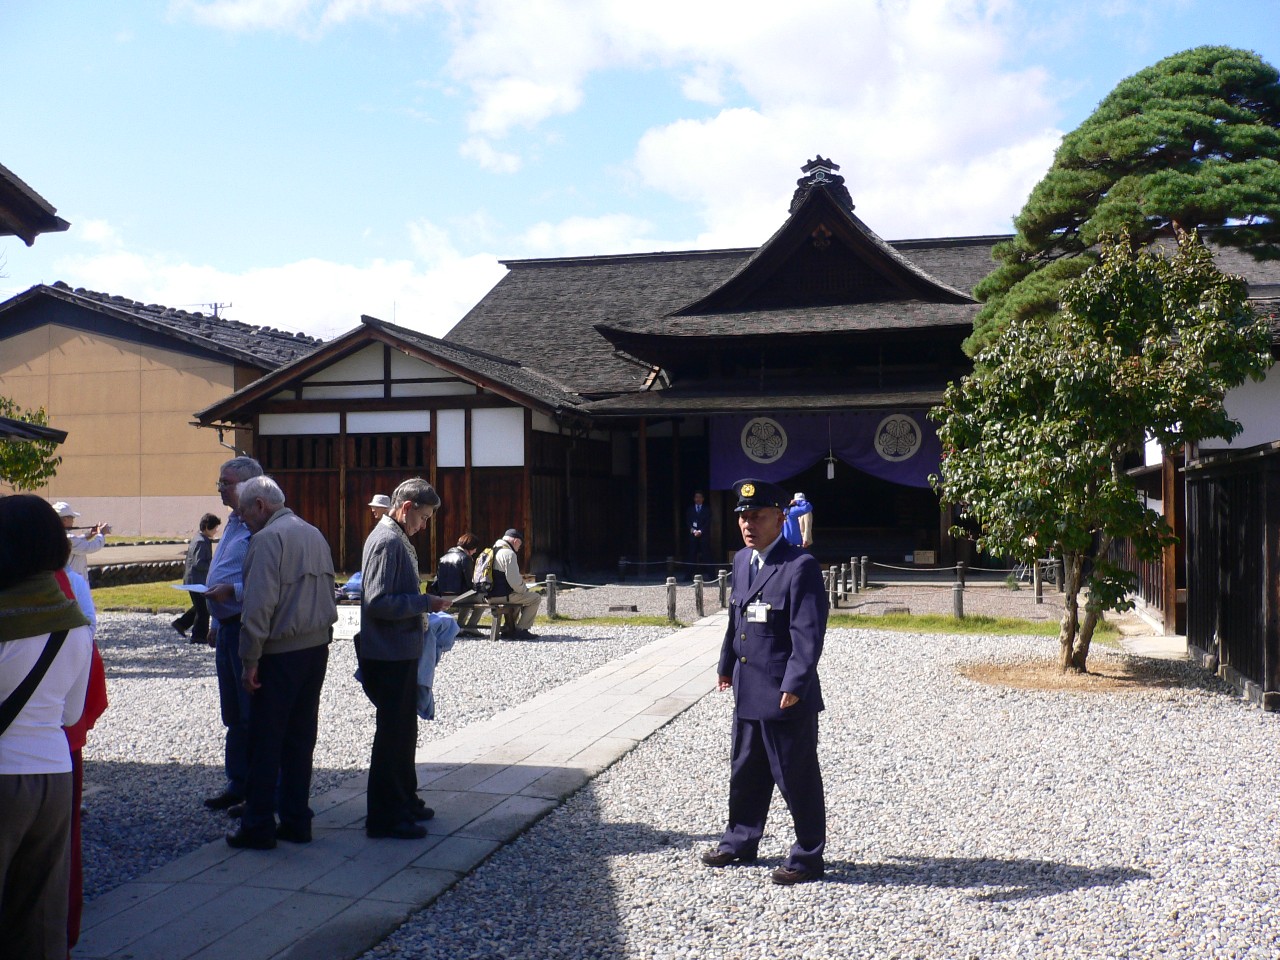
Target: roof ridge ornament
[821, 172]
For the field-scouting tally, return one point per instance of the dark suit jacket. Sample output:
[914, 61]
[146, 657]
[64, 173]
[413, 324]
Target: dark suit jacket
[695, 520]
[781, 654]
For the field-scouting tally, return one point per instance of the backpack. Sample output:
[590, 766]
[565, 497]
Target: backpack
[482, 574]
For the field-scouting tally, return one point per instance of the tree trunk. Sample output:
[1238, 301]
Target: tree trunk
[1072, 564]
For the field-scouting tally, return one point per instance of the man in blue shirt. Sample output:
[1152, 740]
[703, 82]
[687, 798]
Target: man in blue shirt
[225, 597]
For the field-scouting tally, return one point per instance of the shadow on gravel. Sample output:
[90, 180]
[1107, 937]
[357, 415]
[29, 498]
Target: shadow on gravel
[993, 880]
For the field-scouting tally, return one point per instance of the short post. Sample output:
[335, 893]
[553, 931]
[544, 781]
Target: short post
[960, 571]
[833, 587]
[957, 600]
[671, 566]
[671, 599]
[846, 577]
[866, 563]
[551, 594]
[697, 595]
[853, 567]
[622, 569]
[1037, 580]
[722, 580]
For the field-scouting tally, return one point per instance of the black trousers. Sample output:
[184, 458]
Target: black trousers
[282, 738]
[198, 615]
[392, 687]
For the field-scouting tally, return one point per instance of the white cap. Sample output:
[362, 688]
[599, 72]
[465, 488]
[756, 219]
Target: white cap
[381, 500]
[798, 496]
[63, 509]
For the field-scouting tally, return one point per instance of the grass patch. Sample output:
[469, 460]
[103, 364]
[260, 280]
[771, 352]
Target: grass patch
[945, 623]
[153, 597]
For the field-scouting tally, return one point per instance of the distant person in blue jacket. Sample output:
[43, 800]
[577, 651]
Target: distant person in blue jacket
[798, 526]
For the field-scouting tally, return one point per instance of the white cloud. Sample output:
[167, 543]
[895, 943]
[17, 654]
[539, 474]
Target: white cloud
[429, 293]
[580, 236]
[483, 153]
[98, 232]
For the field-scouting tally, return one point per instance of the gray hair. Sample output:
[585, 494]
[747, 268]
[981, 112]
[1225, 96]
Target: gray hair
[244, 468]
[417, 491]
[263, 488]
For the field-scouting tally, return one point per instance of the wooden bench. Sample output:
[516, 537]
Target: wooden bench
[500, 610]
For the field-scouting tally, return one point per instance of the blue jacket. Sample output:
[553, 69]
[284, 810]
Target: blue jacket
[779, 654]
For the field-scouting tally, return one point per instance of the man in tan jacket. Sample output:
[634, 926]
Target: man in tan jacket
[285, 630]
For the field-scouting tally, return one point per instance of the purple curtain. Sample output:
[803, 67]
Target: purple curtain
[898, 446]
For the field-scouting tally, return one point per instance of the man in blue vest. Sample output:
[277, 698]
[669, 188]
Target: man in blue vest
[777, 621]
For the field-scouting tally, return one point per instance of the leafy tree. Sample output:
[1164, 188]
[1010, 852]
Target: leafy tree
[26, 464]
[1189, 143]
[1035, 441]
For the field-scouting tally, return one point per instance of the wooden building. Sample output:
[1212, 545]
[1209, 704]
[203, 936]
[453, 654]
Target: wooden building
[585, 399]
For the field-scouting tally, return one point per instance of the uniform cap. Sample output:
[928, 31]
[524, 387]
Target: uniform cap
[754, 494]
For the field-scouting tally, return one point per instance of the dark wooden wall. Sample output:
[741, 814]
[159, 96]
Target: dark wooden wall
[1233, 569]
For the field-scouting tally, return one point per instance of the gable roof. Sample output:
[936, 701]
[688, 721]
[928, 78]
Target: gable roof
[263, 348]
[499, 375]
[23, 212]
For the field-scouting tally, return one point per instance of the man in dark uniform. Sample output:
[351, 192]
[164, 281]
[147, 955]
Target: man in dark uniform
[697, 525]
[777, 621]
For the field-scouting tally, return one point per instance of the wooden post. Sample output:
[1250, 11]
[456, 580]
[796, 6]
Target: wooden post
[834, 587]
[642, 507]
[697, 595]
[722, 579]
[957, 600]
[853, 566]
[846, 574]
[866, 562]
[551, 594]
[671, 599]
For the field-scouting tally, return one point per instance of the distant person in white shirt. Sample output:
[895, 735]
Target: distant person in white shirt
[82, 544]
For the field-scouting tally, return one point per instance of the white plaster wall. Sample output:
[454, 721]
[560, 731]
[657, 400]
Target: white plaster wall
[298, 424]
[451, 438]
[1257, 407]
[389, 421]
[497, 437]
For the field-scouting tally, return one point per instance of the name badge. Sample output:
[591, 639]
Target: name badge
[758, 612]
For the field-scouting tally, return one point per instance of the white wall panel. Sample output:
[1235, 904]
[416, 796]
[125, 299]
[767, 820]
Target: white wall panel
[451, 438]
[497, 437]
[298, 424]
[390, 421]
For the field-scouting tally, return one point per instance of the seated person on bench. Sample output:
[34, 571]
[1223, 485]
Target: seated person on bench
[453, 577]
[509, 586]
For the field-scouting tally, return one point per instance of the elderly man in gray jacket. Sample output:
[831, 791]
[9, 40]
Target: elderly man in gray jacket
[285, 629]
[388, 647]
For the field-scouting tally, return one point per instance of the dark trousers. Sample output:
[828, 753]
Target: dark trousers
[698, 554]
[234, 702]
[282, 738]
[35, 832]
[782, 752]
[197, 614]
[392, 687]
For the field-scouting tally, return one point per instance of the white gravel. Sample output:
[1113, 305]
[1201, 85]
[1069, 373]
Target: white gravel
[157, 751]
[966, 821]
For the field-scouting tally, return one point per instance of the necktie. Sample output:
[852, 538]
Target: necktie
[755, 567]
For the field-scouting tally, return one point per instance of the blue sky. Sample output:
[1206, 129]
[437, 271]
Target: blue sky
[308, 161]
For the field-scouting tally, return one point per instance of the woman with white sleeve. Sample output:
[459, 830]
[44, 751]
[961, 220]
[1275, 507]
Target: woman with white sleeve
[45, 651]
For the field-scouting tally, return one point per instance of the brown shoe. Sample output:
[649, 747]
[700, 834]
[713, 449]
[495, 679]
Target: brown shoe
[789, 875]
[715, 857]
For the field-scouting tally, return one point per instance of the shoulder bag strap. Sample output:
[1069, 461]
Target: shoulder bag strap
[14, 703]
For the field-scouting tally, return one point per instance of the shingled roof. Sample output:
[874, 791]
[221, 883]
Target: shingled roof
[262, 347]
[23, 212]
[505, 377]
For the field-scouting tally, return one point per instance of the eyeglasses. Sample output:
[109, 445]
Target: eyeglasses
[222, 484]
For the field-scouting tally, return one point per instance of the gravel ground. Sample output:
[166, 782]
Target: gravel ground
[965, 821]
[157, 751]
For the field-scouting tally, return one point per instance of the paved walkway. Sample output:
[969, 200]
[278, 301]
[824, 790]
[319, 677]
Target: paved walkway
[343, 893]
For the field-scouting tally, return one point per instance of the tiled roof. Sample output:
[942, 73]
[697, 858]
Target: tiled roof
[672, 402]
[263, 347]
[23, 212]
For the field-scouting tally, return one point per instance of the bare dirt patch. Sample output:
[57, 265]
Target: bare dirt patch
[1106, 677]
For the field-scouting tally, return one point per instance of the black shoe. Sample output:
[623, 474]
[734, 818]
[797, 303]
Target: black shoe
[789, 875]
[523, 635]
[401, 831]
[236, 810]
[294, 832]
[223, 800]
[242, 839]
[177, 626]
[422, 812]
[715, 857]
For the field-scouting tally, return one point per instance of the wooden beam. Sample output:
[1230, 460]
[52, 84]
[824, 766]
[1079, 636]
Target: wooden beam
[642, 508]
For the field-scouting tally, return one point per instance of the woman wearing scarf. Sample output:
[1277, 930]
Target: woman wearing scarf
[45, 651]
